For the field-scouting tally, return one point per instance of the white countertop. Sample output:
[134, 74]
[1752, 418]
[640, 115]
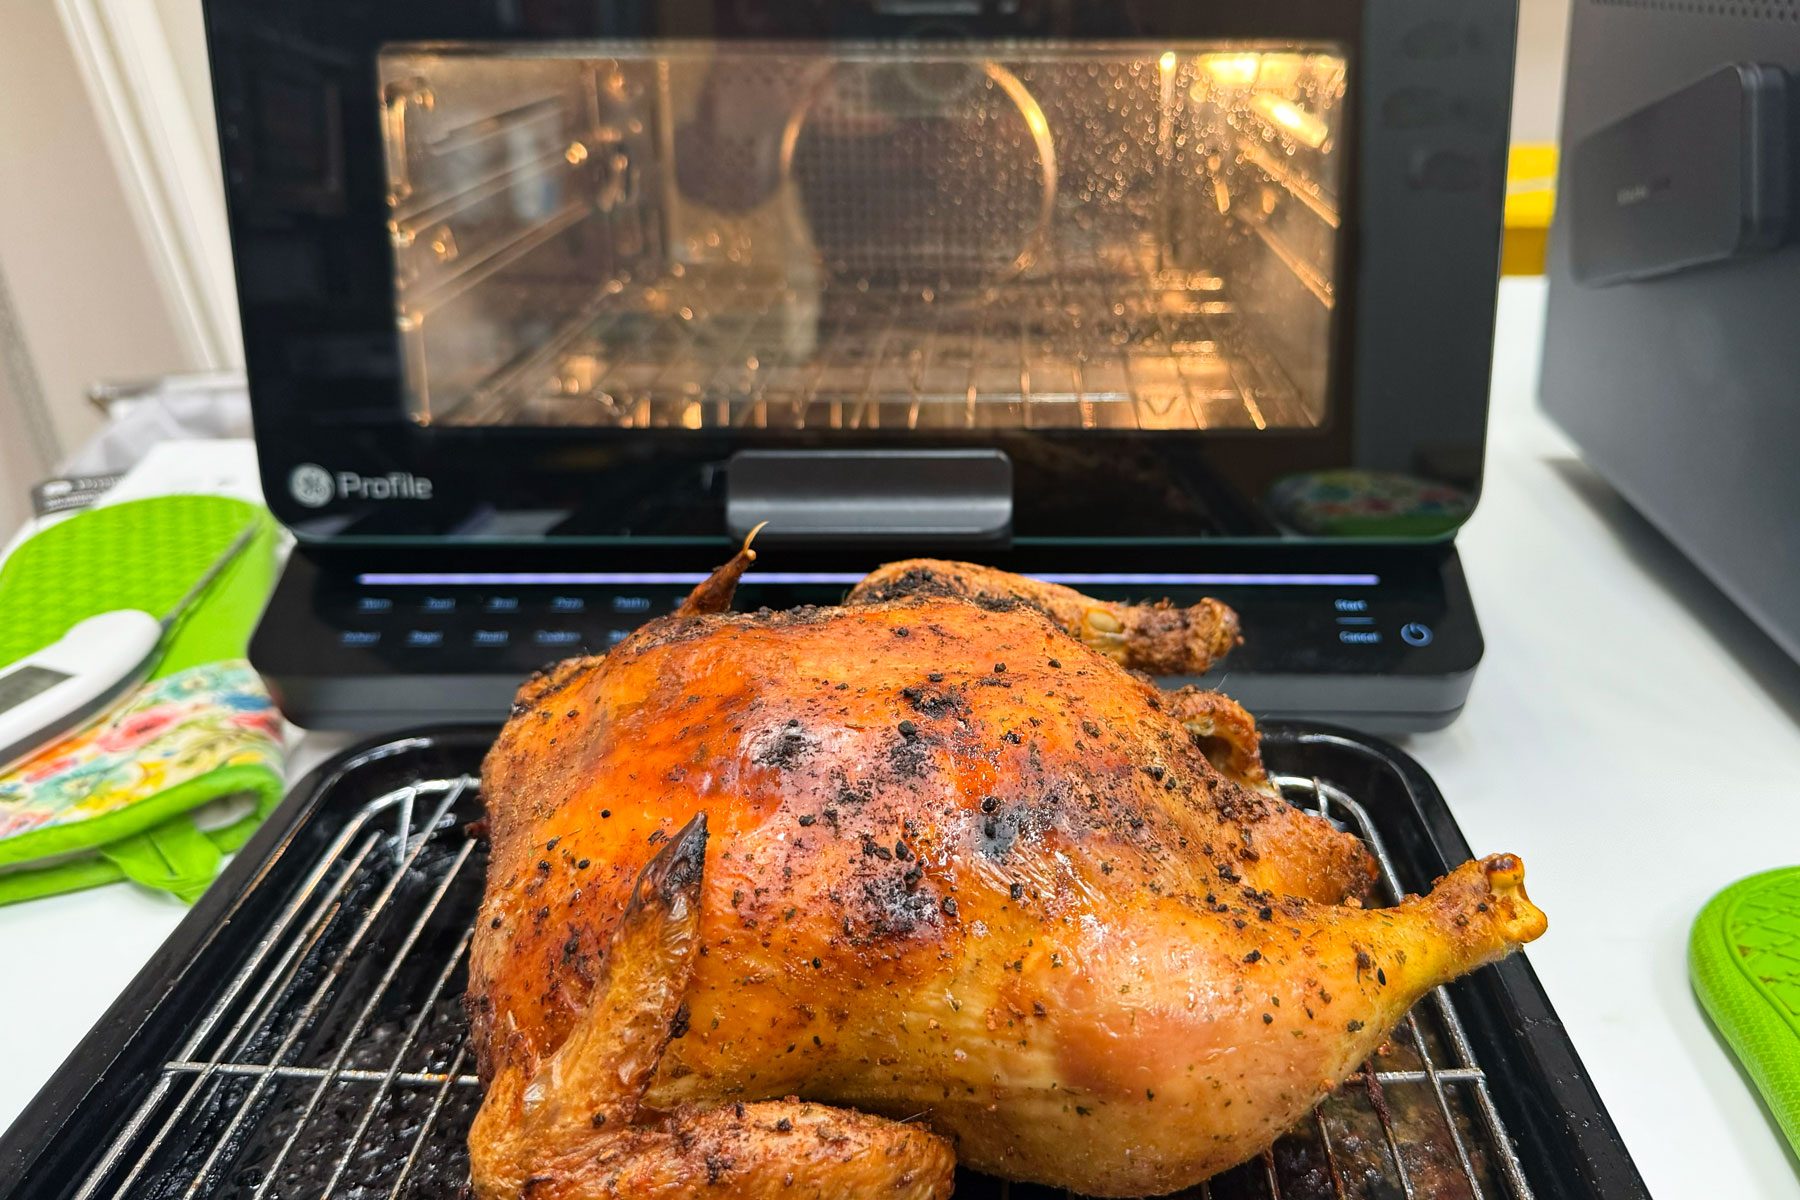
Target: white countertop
[1630, 734]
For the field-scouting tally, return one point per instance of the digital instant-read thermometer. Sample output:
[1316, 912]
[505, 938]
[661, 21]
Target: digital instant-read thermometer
[90, 668]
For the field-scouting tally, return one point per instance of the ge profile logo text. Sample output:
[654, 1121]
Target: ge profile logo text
[315, 487]
[312, 485]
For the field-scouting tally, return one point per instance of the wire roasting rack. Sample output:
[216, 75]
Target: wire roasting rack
[1061, 355]
[333, 1063]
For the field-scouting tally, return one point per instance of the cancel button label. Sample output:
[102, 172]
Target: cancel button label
[1359, 637]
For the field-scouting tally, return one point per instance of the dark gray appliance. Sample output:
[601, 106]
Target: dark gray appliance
[1671, 355]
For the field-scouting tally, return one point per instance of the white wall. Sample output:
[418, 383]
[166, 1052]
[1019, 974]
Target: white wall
[27, 442]
[1538, 81]
[87, 301]
[185, 32]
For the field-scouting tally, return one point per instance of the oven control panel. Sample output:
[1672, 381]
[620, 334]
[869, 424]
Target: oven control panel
[1389, 647]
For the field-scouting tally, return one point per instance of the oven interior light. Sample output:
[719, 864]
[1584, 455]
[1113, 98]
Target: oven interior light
[1231, 70]
[1301, 125]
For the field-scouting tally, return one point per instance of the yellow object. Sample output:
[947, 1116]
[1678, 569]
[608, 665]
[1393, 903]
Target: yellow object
[1530, 199]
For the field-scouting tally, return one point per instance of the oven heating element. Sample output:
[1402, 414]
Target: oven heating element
[335, 1061]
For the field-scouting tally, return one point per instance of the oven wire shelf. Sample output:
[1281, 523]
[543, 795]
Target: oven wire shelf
[1065, 354]
[334, 1063]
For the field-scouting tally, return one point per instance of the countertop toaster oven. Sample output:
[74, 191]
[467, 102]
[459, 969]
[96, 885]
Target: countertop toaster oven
[546, 302]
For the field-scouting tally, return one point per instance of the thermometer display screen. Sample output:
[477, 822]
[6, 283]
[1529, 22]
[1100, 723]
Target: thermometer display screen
[16, 687]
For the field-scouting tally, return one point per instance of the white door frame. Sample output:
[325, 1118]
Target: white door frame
[167, 168]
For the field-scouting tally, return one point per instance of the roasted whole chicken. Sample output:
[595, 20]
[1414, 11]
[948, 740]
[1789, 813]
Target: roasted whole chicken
[820, 903]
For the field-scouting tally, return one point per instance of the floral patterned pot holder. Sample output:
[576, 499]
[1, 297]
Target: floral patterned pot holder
[179, 773]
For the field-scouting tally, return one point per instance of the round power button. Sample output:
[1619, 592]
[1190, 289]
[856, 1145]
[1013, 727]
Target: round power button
[1415, 634]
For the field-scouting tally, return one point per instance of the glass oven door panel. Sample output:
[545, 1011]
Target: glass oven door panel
[540, 270]
[938, 238]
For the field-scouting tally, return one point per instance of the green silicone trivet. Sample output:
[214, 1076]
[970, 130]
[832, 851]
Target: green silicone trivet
[1744, 959]
[142, 554]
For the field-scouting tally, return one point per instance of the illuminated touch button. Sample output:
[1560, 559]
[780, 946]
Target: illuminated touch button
[615, 636]
[438, 604]
[1360, 637]
[568, 604]
[374, 604]
[491, 637]
[424, 637]
[631, 604]
[557, 637]
[359, 637]
[1415, 634]
[1350, 606]
[501, 604]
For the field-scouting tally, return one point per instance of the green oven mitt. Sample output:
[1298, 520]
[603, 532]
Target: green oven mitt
[180, 773]
[1744, 959]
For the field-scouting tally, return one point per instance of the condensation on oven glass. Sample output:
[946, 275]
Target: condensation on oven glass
[866, 237]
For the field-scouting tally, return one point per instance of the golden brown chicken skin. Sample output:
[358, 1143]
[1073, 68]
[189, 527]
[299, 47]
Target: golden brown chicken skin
[577, 1126]
[1158, 638]
[942, 872]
